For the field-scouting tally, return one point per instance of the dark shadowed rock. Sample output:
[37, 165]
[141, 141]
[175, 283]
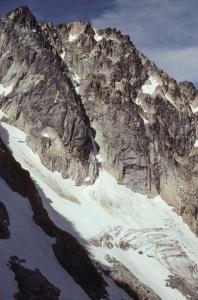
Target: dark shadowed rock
[32, 284]
[4, 222]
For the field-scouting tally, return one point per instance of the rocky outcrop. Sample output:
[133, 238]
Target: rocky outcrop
[127, 281]
[71, 255]
[32, 284]
[4, 222]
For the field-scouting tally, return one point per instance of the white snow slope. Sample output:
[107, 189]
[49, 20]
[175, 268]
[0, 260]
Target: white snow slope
[158, 243]
[29, 242]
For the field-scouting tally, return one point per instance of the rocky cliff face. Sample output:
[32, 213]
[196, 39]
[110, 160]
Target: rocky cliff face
[38, 96]
[65, 84]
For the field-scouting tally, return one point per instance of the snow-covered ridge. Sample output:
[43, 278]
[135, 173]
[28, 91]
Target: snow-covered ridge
[159, 243]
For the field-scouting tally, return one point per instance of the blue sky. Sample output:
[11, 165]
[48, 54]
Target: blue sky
[165, 30]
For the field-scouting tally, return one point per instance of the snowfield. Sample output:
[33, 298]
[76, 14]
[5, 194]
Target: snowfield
[145, 235]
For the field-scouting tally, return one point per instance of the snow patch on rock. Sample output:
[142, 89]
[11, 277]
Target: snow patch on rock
[196, 144]
[97, 37]
[194, 109]
[76, 78]
[73, 37]
[2, 115]
[169, 99]
[99, 158]
[151, 84]
[62, 55]
[4, 91]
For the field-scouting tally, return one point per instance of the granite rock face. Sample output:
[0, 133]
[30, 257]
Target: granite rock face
[76, 90]
[38, 96]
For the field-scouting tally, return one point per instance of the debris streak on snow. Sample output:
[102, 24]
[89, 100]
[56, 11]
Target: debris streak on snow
[145, 235]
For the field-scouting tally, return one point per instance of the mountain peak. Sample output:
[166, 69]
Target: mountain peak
[22, 15]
